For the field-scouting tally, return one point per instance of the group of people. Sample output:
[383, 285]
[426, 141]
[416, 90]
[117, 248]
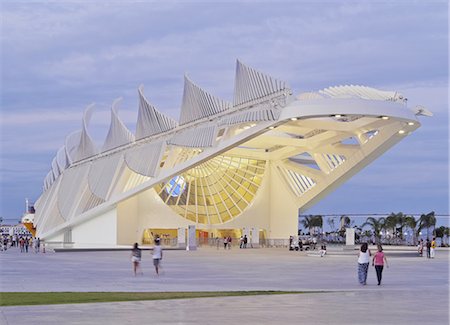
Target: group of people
[24, 242]
[136, 256]
[378, 261]
[429, 245]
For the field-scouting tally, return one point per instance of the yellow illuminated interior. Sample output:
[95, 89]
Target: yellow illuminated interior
[215, 191]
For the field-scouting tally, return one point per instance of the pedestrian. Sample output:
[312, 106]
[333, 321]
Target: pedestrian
[363, 263]
[157, 255]
[433, 247]
[379, 259]
[420, 247]
[136, 258]
[27, 243]
[229, 242]
[225, 242]
[241, 242]
[428, 244]
[245, 241]
[323, 250]
[36, 245]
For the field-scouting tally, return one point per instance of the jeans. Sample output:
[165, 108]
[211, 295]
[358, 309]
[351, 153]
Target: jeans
[379, 270]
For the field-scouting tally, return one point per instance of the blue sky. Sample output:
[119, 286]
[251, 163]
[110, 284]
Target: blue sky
[58, 57]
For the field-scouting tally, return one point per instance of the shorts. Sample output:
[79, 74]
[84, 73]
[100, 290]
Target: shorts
[156, 261]
[135, 259]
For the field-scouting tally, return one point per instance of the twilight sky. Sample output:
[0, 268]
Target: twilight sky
[59, 56]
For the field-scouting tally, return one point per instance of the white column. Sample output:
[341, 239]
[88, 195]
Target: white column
[181, 238]
[192, 242]
[254, 237]
[349, 236]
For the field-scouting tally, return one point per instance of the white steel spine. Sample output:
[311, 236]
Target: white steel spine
[71, 145]
[61, 159]
[118, 133]
[145, 159]
[196, 137]
[72, 183]
[86, 148]
[251, 84]
[348, 91]
[101, 174]
[151, 121]
[198, 104]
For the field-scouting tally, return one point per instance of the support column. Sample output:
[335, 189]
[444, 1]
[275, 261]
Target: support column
[181, 238]
[192, 241]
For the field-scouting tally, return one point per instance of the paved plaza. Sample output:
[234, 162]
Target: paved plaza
[414, 290]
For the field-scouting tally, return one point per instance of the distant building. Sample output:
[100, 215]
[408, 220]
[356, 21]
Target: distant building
[245, 167]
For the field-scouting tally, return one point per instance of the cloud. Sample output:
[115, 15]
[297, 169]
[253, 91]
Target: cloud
[59, 57]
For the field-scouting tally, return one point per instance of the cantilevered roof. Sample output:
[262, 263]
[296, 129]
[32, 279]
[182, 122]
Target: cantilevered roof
[118, 133]
[251, 84]
[198, 104]
[151, 121]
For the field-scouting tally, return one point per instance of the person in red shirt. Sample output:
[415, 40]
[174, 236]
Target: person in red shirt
[379, 259]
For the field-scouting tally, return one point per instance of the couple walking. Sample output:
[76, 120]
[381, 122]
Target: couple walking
[378, 260]
[136, 255]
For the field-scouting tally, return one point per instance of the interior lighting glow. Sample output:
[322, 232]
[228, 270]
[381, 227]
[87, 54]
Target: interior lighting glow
[338, 115]
[410, 123]
[271, 127]
[385, 117]
[401, 132]
[294, 119]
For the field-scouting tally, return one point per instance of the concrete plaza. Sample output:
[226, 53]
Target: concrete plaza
[414, 290]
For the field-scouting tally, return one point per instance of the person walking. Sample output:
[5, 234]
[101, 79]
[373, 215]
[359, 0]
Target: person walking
[229, 242]
[245, 241]
[157, 255]
[379, 259]
[225, 242]
[363, 263]
[136, 255]
[428, 244]
[420, 248]
[433, 248]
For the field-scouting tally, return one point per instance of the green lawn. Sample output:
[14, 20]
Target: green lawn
[48, 298]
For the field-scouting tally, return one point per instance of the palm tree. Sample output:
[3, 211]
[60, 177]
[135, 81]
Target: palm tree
[411, 223]
[439, 233]
[447, 233]
[427, 221]
[377, 225]
[307, 222]
[318, 222]
[331, 224]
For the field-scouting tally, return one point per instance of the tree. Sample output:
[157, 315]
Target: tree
[411, 223]
[377, 225]
[427, 221]
[439, 233]
[307, 222]
[331, 224]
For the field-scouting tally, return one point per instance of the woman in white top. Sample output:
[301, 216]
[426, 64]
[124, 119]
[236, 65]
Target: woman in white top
[363, 263]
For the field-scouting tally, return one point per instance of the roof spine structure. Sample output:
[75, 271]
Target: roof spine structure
[251, 85]
[198, 104]
[151, 121]
[118, 133]
[86, 147]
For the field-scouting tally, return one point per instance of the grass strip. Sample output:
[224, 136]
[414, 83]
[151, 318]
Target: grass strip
[51, 298]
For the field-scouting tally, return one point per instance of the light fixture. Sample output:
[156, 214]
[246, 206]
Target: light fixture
[410, 123]
[385, 117]
[401, 132]
[246, 127]
[271, 127]
[337, 115]
[293, 119]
